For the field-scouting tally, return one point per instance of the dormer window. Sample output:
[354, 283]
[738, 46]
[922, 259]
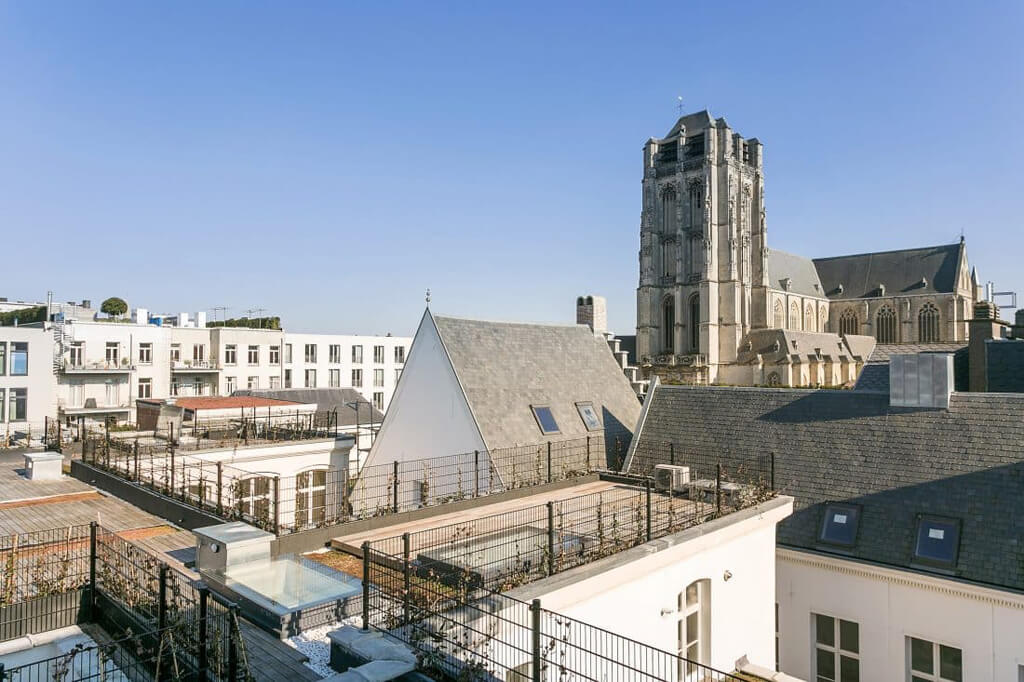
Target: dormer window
[839, 527]
[938, 541]
[787, 283]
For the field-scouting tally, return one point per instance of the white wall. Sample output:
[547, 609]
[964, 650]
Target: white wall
[889, 605]
[39, 382]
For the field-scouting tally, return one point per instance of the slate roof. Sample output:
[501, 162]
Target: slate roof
[326, 399]
[875, 374]
[900, 271]
[698, 120]
[778, 346]
[1004, 364]
[505, 367]
[800, 271]
[965, 462]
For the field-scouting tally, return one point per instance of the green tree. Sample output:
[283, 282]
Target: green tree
[114, 306]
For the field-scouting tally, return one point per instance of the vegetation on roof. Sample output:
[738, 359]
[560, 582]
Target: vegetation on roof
[248, 322]
[23, 316]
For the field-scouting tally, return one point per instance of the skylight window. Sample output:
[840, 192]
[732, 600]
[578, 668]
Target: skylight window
[839, 527]
[589, 416]
[938, 541]
[545, 420]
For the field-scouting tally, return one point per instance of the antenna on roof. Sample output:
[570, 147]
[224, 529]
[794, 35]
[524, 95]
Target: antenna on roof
[428, 297]
[223, 309]
[679, 105]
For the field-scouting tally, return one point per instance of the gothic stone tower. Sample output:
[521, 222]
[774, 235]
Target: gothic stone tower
[703, 251]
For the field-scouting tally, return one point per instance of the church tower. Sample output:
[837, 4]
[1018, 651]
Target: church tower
[703, 249]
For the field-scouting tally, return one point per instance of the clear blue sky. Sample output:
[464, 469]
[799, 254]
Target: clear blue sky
[329, 161]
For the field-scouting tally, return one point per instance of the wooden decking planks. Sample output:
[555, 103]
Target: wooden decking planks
[271, 659]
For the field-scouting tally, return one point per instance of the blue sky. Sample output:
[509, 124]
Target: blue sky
[329, 161]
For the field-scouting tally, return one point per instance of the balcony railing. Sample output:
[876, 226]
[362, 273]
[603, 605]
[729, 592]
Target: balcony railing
[98, 367]
[195, 366]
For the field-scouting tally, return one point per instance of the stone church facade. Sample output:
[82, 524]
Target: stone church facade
[716, 305]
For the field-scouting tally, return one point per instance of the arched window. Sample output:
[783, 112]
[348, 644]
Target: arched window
[696, 200]
[809, 318]
[774, 379]
[253, 498]
[694, 628]
[310, 498]
[794, 316]
[822, 319]
[885, 325]
[695, 323]
[668, 257]
[779, 315]
[668, 211]
[928, 324]
[668, 328]
[848, 323]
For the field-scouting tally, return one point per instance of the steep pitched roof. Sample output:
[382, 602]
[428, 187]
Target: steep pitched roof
[964, 463]
[928, 270]
[326, 400]
[698, 120]
[506, 367]
[800, 271]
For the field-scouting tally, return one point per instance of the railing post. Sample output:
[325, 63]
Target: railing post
[549, 461]
[277, 505]
[647, 493]
[407, 581]
[535, 640]
[773, 471]
[161, 617]
[551, 537]
[234, 634]
[135, 451]
[718, 487]
[589, 468]
[476, 473]
[204, 595]
[220, 489]
[92, 570]
[170, 476]
[344, 489]
[672, 453]
[366, 585]
[395, 488]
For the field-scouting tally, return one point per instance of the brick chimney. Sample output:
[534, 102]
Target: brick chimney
[985, 326]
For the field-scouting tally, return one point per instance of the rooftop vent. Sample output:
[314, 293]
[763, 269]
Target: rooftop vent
[921, 380]
[881, 289]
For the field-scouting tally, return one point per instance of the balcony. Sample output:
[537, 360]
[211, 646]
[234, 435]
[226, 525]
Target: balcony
[98, 367]
[194, 366]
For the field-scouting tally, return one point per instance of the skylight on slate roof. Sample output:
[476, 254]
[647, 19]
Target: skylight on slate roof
[589, 416]
[545, 420]
[938, 541]
[839, 527]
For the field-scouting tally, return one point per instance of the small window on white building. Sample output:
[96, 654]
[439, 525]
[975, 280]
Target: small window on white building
[357, 354]
[378, 377]
[378, 400]
[287, 378]
[378, 354]
[836, 649]
[839, 527]
[230, 384]
[357, 378]
[77, 355]
[310, 498]
[310, 352]
[145, 388]
[589, 416]
[398, 374]
[175, 353]
[545, 420]
[694, 629]
[288, 353]
[310, 378]
[199, 353]
[230, 354]
[113, 353]
[18, 408]
[938, 541]
[275, 382]
[275, 355]
[399, 354]
[254, 498]
[334, 354]
[254, 355]
[932, 662]
[334, 378]
[145, 353]
[253, 383]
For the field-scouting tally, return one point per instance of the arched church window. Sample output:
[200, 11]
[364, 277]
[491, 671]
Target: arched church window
[885, 325]
[695, 323]
[668, 211]
[822, 319]
[668, 258]
[848, 323]
[794, 316]
[696, 201]
[928, 324]
[668, 316]
[809, 318]
[779, 315]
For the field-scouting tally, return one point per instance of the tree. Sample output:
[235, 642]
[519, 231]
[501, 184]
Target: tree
[114, 306]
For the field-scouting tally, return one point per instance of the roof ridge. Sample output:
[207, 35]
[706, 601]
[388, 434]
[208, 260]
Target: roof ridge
[879, 253]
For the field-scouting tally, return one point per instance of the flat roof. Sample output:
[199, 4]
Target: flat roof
[221, 403]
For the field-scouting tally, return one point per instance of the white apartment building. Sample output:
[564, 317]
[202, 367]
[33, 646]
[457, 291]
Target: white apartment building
[27, 382]
[103, 367]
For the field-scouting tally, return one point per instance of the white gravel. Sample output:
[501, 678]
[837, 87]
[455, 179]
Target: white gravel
[315, 645]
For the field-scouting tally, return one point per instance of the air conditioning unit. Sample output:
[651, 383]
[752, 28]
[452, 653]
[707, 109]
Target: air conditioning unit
[671, 478]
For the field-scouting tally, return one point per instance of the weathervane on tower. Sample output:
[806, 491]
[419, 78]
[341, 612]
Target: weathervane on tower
[679, 105]
[428, 298]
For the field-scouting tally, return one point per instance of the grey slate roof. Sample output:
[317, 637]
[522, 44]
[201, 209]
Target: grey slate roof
[776, 346]
[326, 399]
[900, 271]
[1004, 364]
[966, 462]
[506, 367]
[800, 271]
[698, 120]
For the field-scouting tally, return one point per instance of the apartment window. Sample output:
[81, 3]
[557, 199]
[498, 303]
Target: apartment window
[378, 400]
[399, 354]
[357, 354]
[254, 355]
[199, 353]
[230, 384]
[275, 355]
[175, 386]
[253, 383]
[175, 353]
[545, 420]
[839, 527]
[334, 378]
[334, 353]
[932, 662]
[378, 354]
[231, 354]
[288, 353]
[589, 416]
[836, 649]
[254, 497]
[311, 498]
[378, 377]
[145, 388]
[357, 378]
[19, 358]
[113, 354]
[275, 382]
[3, 358]
[18, 410]
[398, 373]
[287, 378]
[145, 354]
[77, 355]
[112, 391]
[310, 352]
[938, 541]
[310, 378]
[694, 627]
[3, 406]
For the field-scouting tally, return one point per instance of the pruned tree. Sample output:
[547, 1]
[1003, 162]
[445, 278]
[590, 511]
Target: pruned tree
[114, 306]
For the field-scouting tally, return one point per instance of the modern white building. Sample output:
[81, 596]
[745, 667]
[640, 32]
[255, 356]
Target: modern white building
[27, 382]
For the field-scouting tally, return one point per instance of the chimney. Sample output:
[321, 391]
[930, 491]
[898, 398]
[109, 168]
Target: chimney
[985, 326]
[593, 312]
[921, 380]
[1018, 325]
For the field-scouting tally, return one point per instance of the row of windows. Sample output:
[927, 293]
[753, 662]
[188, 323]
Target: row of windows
[13, 405]
[887, 325]
[808, 322]
[19, 353]
[14, 358]
[668, 312]
[311, 352]
[936, 539]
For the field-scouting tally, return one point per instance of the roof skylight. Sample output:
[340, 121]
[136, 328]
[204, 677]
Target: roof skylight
[545, 420]
[839, 527]
[938, 541]
[589, 416]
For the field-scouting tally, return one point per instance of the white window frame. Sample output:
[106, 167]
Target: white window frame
[334, 378]
[378, 399]
[838, 653]
[231, 354]
[378, 355]
[253, 383]
[175, 353]
[306, 489]
[148, 384]
[310, 353]
[310, 374]
[77, 355]
[230, 384]
[334, 353]
[357, 378]
[378, 378]
[933, 676]
[253, 354]
[250, 501]
[275, 355]
[275, 382]
[112, 354]
[399, 355]
[145, 353]
[697, 613]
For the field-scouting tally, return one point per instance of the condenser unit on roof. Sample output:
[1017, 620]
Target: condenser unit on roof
[671, 478]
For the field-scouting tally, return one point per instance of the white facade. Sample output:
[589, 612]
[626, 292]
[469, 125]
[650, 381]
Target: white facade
[27, 383]
[890, 606]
